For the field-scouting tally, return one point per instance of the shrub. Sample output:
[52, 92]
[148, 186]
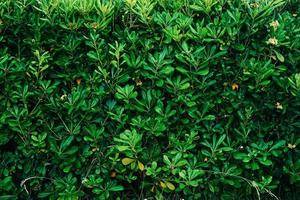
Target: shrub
[153, 99]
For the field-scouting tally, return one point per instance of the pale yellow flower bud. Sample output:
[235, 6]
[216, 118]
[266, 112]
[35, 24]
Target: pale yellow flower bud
[274, 24]
[272, 41]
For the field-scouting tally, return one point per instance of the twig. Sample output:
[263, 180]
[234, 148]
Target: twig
[22, 184]
[250, 182]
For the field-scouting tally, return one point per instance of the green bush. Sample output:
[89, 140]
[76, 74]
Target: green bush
[149, 99]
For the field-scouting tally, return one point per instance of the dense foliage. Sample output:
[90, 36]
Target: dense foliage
[156, 99]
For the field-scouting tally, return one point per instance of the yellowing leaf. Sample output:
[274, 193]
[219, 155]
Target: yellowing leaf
[162, 184]
[141, 166]
[127, 161]
[78, 81]
[152, 189]
[113, 174]
[235, 86]
[170, 186]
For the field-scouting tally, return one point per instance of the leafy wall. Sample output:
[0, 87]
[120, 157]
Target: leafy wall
[156, 99]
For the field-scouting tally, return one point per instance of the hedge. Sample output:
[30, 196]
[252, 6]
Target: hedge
[149, 99]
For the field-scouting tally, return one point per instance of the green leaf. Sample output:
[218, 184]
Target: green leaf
[254, 166]
[240, 155]
[67, 142]
[166, 160]
[159, 83]
[167, 70]
[116, 188]
[8, 197]
[265, 161]
[278, 145]
[123, 148]
[3, 138]
[67, 169]
[203, 72]
[279, 56]
[184, 86]
[209, 117]
[182, 70]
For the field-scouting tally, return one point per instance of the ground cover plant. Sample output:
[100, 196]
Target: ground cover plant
[149, 99]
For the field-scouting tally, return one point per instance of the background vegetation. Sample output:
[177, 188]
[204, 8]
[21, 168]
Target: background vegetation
[156, 99]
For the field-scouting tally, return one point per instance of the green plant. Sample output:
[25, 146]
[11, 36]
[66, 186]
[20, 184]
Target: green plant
[149, 99]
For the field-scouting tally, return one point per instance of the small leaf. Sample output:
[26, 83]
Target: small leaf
[67, 169]
[203, 72]
[184, 86]
[127, 161]
[116, 188]
[42, 194]
[254, 166]
[279, 144]
[166, 160]
[209, 117]
[3, 139]
[159, 83]
[240, 156]
[67, 142]
[167, 70]
[162, 184]
[211, 187]
[265, 161]
[279, 56]
[92, 55]
[170, 186]
[182, 70]
[123, 148]
[141, 166]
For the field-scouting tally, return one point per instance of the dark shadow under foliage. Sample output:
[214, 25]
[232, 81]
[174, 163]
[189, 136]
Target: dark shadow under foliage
[149, 99]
